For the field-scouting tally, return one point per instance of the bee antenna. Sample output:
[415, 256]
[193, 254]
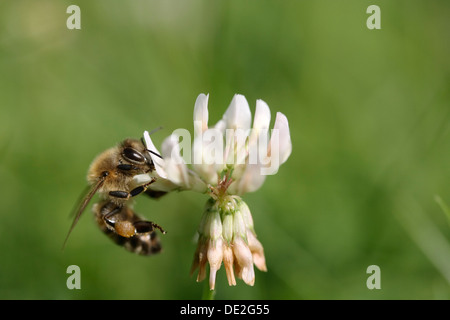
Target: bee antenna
[155, 130]
[154, 153]
[143, 142]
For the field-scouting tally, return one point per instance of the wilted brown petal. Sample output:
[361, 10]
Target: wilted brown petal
[257, 251]
[215, 255]
[228, 262]
[200, 259]
[244, 260]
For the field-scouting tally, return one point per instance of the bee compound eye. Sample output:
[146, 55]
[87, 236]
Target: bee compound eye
[133, 155]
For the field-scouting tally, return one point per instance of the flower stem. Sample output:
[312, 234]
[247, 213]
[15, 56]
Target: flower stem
[208, 294]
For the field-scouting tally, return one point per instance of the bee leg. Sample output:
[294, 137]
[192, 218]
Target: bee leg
[123, 228]
[127, 228]
[132, 193]
[140, 189]
[147, 226]
[107, 217]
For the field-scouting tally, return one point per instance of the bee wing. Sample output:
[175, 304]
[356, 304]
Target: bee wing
[83, 203]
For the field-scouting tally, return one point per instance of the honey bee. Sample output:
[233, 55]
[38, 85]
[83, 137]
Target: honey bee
[111, 176]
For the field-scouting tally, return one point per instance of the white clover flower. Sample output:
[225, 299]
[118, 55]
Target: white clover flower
[225, 161]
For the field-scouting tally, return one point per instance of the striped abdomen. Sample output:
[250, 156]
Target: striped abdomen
[141, 243]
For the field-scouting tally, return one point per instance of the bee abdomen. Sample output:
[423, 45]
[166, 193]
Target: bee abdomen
[146, 244]
[142, 243]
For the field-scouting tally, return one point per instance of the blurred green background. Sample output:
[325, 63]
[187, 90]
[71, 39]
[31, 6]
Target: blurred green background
[369, 115]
